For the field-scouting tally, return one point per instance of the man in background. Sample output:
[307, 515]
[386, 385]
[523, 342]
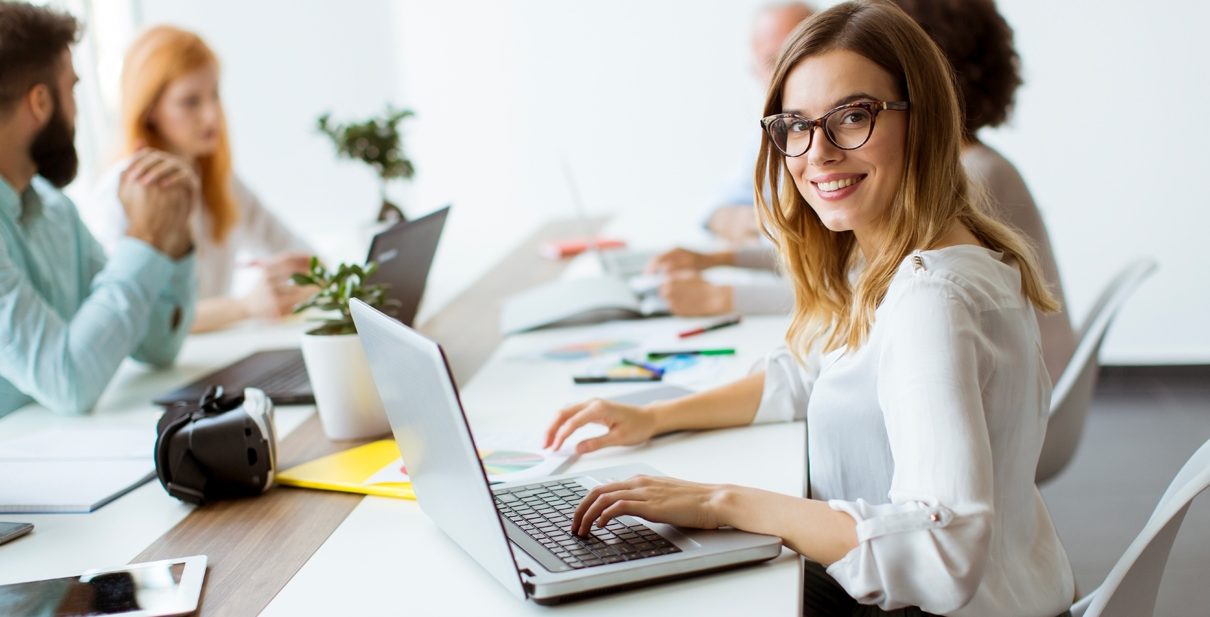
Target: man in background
[733, 220]
[70, 314]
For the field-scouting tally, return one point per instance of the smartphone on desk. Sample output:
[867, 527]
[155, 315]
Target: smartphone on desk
[153, 589]
[12, 531]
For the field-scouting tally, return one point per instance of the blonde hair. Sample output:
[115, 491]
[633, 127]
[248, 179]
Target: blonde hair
[933, 192]
[158, 56]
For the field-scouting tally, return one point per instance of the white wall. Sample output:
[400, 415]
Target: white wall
[652, 103]
[507, 91]
[1111, 133]
[1108, 131]
[285, 63]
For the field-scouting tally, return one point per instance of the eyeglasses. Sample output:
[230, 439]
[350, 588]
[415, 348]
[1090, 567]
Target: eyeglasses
[848, 127]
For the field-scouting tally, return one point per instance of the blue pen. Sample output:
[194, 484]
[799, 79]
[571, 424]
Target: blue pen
[651, 368]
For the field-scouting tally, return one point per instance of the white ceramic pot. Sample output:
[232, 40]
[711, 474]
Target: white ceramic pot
[349, 407]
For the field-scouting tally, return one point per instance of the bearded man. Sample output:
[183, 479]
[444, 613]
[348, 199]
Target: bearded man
[70, 315]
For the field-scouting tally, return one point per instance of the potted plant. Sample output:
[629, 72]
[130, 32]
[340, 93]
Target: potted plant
[378, 143]
[348, 402]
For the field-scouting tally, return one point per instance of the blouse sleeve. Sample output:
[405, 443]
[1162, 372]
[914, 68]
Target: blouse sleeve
[763, 298]
[264, 233]
[762, 257]
[788, 386]
[928, 547]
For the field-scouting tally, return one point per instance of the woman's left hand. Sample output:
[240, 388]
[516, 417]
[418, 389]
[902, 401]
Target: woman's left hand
[655, 498]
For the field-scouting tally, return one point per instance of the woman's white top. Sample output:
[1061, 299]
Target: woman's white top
[256, 234]
[928, 435]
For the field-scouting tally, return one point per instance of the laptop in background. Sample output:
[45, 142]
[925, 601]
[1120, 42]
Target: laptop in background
[621, 263]
[404, 253]
[620, 292]
[519, 532]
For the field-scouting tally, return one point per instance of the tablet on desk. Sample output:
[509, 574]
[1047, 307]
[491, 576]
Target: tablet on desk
[152, 589]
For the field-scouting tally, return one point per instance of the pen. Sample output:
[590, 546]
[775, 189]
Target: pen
[714, 326]
[608, 379]
[654, 370]
[722, 351]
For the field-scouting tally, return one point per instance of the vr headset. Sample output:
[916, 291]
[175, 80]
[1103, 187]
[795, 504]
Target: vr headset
[221, 447]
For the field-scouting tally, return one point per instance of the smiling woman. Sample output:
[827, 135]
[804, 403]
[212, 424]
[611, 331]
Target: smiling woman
[914, 352]
[913, 159]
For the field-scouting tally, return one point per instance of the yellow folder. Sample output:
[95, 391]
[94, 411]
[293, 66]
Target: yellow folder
[350, 472]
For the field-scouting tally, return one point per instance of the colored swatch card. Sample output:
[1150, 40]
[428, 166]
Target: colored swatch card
[603, 373]
[625, 370]
[512, 456]
[692, 370]
[505, 462]
[588, 349]
[672, 364]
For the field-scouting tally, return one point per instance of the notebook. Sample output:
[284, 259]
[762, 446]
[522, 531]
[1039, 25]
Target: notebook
[76, 469]
[364, 469]
[377, 468]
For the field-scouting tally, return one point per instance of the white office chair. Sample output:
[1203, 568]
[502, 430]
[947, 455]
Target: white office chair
[1131, 586]
[1072, 395]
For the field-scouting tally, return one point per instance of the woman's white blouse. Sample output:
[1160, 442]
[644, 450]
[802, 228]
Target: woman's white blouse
[928, 436]
[257, 233]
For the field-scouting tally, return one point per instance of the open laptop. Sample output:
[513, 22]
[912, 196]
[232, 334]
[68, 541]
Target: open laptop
[620, 263]
[519, 532]
[621, 291]
[404, 253]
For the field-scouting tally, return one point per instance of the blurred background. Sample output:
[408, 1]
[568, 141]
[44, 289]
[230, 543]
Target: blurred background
[651, 104]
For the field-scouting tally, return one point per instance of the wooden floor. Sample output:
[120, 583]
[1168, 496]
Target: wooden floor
[1144, 424]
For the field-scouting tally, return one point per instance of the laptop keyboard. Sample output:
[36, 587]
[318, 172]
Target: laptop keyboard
[544, 512]
[289, 376]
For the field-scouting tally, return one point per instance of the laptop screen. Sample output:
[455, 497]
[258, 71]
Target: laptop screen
[435, 439]
[405, 255]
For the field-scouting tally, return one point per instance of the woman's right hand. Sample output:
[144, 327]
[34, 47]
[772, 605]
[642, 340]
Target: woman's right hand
[627, 424]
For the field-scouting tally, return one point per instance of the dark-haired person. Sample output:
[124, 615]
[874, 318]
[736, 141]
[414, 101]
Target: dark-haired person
[70, 315]
[913, 353]
[979, 45]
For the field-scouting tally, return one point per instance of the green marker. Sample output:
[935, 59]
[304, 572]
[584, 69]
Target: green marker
[721, 351]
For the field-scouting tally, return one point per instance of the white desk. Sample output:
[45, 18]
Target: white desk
[67, 544]
[388, 556]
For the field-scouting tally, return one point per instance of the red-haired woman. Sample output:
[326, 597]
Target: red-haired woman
[170, 101]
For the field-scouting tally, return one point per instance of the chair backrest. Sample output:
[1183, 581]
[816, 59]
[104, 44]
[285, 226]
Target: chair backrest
[1131, 587]
[1072, 395]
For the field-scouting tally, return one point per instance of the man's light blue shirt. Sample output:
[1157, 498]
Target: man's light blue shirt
[740, 189]
[70, 315]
